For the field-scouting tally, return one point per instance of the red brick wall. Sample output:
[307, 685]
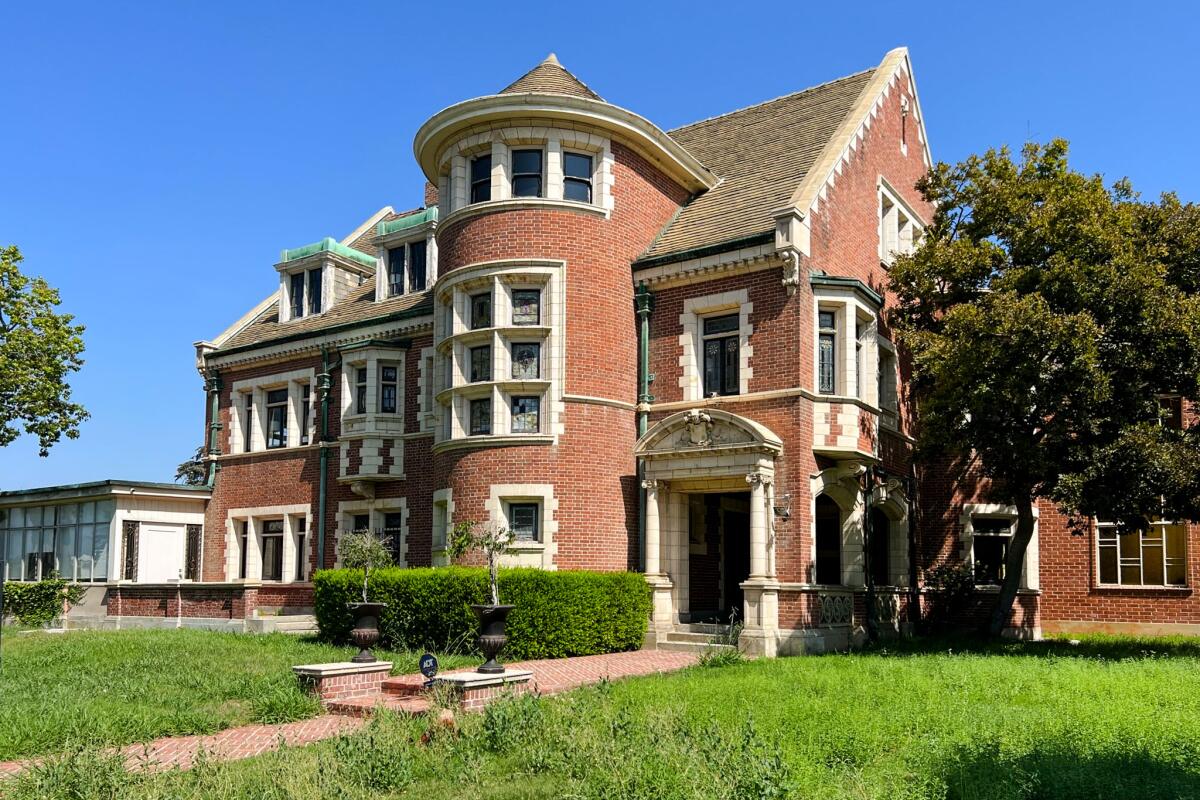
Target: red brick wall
[592, 466]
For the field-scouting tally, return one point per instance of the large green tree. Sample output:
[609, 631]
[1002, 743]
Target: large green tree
[1047, 314]
[39, 349]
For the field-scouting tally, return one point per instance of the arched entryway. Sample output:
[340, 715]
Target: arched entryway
[703, 452]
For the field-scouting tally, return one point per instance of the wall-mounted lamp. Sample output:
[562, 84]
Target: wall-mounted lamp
[783, 509]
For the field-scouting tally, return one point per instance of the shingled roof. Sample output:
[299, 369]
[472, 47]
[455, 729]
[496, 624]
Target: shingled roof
[761, 154]
[359, 308]
[550, 77]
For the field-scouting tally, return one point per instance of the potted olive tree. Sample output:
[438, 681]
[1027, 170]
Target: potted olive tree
[366, 551]
[492, 541]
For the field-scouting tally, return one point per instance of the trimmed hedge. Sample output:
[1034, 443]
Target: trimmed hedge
[556, 614]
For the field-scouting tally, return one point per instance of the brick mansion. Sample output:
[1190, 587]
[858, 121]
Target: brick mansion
[664, 351]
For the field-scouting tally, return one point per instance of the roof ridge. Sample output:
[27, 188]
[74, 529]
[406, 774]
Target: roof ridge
[772, 100]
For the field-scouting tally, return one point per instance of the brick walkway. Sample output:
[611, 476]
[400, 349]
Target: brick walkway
[550, 676]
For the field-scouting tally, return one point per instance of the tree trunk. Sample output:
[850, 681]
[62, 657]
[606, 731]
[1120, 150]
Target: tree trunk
[1013, 564]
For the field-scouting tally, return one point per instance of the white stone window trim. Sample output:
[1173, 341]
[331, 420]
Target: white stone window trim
[526, 554]
[305, 266]
[372, 359]
[889, 404]
[427, 407]
[455, 184]
[257, 388]
[442, 505]
[1029, 569]
[1163, 524]
[456, 338]
[849, 311]
[427, 234]
[256, 516]
[695, 310]
[376, 509]
[900, 227]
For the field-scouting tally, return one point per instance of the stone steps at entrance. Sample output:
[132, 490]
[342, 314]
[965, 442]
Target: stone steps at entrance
[363, 706]
[707, 628]
[295, 623]
[690, 636]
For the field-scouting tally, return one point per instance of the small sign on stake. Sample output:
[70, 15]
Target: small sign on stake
[429, 667]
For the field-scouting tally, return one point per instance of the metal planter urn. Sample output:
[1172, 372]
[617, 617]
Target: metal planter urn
[492, 637]
[365, 633]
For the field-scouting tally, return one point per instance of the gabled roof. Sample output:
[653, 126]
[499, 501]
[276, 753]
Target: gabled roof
[761, 153]
[550, 77]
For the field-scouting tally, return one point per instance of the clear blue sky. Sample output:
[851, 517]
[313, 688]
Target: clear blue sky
[155, 157]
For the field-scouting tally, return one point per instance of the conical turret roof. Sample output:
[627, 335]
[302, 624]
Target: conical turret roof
[550, 77]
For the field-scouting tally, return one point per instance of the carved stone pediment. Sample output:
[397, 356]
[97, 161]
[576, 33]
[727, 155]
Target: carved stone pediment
[705, 429]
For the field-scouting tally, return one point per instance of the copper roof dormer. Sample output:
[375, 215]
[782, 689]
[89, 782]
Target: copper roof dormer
[550, 77]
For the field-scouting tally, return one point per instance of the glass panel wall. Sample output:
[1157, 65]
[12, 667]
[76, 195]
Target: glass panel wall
[71, 539]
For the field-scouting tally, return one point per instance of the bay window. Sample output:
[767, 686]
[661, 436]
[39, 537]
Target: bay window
[360, 390]
[481, 311]
[826, 352]
[388, 389]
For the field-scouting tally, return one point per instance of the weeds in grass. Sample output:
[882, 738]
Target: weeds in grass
[284, 701]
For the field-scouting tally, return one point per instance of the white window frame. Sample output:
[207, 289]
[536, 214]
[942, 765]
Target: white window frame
[376, 511]
[256, 517]
[405, 239]
[900, 227]
[855, 351]
[1030, 566]
[691, 340]
[541, 553]
[257, 389]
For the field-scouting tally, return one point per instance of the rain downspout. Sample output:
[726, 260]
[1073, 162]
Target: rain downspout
[643, 303]
[213, 385]
[324, 385]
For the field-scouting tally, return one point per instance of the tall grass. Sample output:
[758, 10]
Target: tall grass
[951, 721]
[62, 691]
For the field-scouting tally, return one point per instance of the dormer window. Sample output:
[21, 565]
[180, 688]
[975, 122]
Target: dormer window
[527, 173]
[481, 178]
[396, 258]
[406, 268]
[577, 177]
[304, 290]
[314, 291]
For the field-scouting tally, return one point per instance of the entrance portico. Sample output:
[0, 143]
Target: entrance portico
[707, 451]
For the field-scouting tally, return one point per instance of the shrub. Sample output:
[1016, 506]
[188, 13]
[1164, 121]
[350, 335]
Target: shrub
[38, 604]
[952, 589]
[556, 614]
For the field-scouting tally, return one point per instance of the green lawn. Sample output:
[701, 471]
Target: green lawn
[58, 691]
[1108, 719]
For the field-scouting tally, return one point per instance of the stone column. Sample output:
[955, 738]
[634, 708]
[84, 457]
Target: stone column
[758, 523]
[760, 637]
[653, 546]
[662, 614]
